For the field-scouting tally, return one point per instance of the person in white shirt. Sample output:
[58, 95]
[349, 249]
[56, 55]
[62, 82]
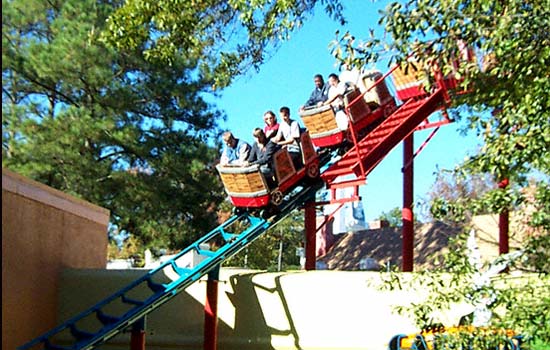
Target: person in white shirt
[336, 100]
[288, 136]
[351, 76]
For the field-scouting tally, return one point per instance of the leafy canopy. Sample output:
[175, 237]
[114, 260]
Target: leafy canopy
[509, 77]
[225, 38]
[107, 100]
[106, 125]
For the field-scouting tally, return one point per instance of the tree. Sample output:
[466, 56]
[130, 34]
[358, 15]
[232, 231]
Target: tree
[513, 87]
[507, 105]
[106, 125]
[393, 217]
[226, 38]
[264, 252]
[106, 100]
[454, 191]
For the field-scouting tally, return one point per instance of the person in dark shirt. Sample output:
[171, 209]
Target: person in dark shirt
[262, 154]
[319, 94]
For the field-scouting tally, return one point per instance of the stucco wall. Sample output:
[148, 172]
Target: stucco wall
[43, 232]
[257, 310]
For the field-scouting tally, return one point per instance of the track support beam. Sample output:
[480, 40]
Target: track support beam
[503, 224]
[137, 337]
[310, 225]
[211, 310]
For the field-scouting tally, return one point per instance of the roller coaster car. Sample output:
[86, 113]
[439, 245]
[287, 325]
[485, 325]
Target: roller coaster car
[249, 189]
[412, 79]
[363, 116]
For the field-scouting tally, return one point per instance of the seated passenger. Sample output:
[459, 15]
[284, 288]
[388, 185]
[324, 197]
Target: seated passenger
[271, 126]
[336, 100]
[288, 136]
[262, 154]
[319, 93]
[235, 152]
[351, 76]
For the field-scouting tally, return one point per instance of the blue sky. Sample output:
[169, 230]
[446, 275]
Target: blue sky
[286, 79]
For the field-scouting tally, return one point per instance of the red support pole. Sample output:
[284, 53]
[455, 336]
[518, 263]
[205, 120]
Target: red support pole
[211, 310]
[310, 225]
[407, 212]
[137, 337]
[503, 227]
[503, 224]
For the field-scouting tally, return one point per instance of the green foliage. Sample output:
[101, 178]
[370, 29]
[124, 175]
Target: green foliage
[393, 217]
[519, 303]
[105, 100]
[225, 38]
[106, 125]
[472, 338]
[514, 86]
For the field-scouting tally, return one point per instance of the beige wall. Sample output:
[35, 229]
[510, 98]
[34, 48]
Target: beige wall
[487, 234]
[257, 310]
[43, 232]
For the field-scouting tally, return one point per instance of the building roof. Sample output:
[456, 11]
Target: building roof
[384, 245]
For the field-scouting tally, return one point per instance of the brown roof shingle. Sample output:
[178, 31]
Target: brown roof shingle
[384, 245]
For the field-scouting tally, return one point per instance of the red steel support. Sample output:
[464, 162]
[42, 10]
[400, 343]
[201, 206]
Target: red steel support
[310, 225]
[137, 336]
[503, 224]
[211, 310]
[417, 152]
[407, 213]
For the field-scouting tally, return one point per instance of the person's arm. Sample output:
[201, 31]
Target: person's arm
[278, 138]
[295, 130]
[284, 142]
[224, 159]
[330, 98]
[311, 101]
[338, 93]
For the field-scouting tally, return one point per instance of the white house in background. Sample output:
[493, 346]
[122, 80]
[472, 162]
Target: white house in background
[186, 261]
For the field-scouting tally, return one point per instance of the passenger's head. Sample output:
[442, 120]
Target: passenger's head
[229, 139]
[284, 112]
[270, 118]
[259, 135]
[318, 80]
[333, 79]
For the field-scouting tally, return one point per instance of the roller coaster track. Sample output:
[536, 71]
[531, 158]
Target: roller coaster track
[160, 292]
[359, 160]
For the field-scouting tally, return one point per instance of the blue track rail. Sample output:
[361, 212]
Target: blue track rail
[160, 292]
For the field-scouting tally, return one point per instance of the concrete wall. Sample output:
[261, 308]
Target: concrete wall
[43, 232]
[257, 310]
